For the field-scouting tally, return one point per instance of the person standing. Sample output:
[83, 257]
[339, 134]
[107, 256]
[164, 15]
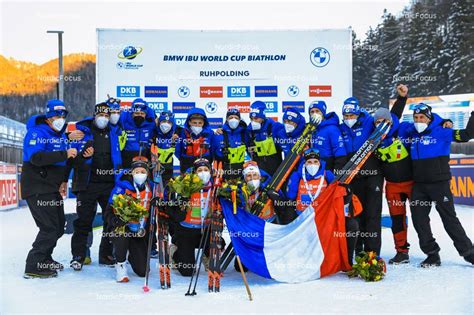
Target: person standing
[46, 160]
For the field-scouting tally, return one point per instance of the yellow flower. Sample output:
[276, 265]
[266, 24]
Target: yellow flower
[196, 179]
[374, 261]
[377, 278]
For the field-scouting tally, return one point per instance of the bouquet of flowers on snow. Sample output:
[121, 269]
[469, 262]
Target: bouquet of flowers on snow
[185, 185]
[130, 210]
[368, 266]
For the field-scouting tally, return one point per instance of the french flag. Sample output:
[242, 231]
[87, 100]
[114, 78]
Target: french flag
[310, 247]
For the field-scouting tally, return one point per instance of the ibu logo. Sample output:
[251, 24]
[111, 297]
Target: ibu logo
[238, 91]
[128, 91]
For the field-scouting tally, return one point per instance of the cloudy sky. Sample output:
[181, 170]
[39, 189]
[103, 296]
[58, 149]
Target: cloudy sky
[24, 23]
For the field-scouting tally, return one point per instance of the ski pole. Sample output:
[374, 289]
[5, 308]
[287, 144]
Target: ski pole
[244, 277]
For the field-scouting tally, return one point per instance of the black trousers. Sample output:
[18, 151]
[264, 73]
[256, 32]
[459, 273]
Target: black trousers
[352, 231]
[424, 195]
[369, 190]
[134, 249]
[86, 210]
[187, 240]
[48, 212]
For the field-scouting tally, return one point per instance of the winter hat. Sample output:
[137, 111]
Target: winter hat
[166, 116]
[201, 162]
[351, 106]
[232, 111]
[250, 166]
[382, 113]
[139, 105]
[257, 110]
[291, 114]
[55, 108]
[311, 153]
[321, 105]
[101, 108]
[424, 109]
[114, 103]
[139, 161]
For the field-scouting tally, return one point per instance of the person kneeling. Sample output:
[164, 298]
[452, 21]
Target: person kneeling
[130, 238]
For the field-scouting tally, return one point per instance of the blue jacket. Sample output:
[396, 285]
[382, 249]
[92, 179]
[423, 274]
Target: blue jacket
[82, 166]
[429, 150]
[186, 138]
[286, 141]
[328, 139]
[45, 164]
[354, 137]
[237, 137]
[137, 135]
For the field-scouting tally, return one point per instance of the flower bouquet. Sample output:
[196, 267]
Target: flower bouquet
[369, 267]
[130, 210]
[185, 185]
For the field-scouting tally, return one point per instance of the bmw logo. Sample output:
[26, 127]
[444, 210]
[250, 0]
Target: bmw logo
[211, 107]
[183, 91]
[293, 91]
[319, 57]
[130, 52]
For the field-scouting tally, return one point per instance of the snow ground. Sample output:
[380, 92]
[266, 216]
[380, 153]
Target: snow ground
[408, 288]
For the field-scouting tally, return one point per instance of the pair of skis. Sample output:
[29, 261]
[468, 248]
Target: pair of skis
[347, 173]
[214, 232]
[162, 229]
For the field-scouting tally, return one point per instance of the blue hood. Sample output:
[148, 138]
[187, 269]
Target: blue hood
[330, 119]
[320, 172]
[199, 111]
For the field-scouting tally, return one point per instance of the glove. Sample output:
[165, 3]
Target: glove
[116, 222]
[122, 140]
[273, 195]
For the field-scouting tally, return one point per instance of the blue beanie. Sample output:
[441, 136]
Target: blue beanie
[113, 103]
[232, 111]
[166, 116]
[351, 106]
[321, 105]
[292, 114]
[257, 110]
[55, 108]
[139, 105]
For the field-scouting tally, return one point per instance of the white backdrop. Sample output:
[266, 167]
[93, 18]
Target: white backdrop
[215, 70]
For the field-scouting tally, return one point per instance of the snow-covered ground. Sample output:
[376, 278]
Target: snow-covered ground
[408, 288]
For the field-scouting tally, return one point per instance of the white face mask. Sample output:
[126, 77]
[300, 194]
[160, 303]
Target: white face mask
[233, 123]
[420, 127]
[114, 118]
[101, 122]
[256, 125]
[205, 176]
[289, 128]
[350, 122]
[312, 169]
[58, 124]
[139, 179]
[316, 118]
[254, 184]
[196, 130]
[165, 127]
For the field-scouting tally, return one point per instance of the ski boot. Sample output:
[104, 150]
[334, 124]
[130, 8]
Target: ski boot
[399, 258]
[433, 260]
[77, 262]
[121, 272]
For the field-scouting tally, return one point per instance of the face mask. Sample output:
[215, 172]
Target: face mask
[204, 176]
[58, 124]
[165, 127]
[420, 127]
[101, 122]
[196, 130]
[316, 118]
[138, 120]
[233, 123]
[256, 125]
[254, 184]
[289, 128]
[312, 169]
[139, 179]
[350, 122]
[114, 118]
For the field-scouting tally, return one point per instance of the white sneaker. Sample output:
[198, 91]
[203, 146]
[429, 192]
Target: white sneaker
[121, 269]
